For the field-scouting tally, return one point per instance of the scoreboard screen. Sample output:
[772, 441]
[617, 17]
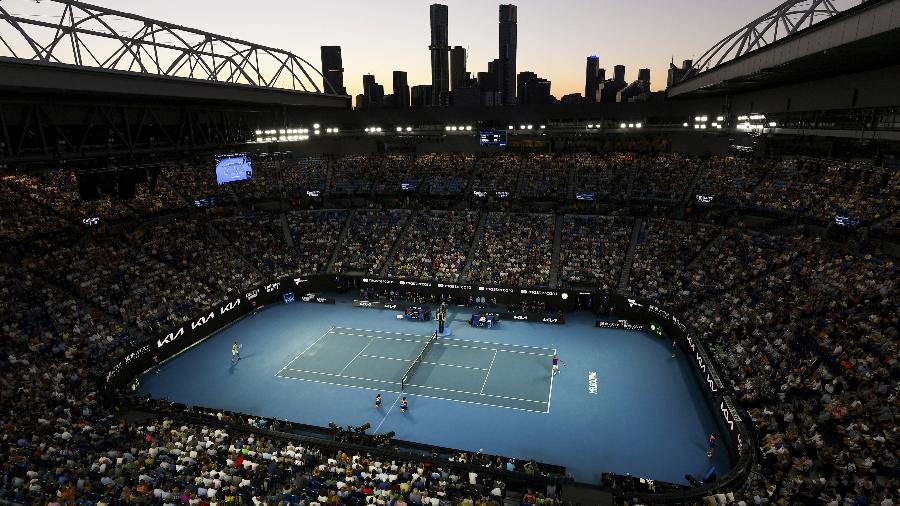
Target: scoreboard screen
[493, 138]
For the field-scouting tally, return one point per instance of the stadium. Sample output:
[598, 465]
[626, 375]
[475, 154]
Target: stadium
[223, 285]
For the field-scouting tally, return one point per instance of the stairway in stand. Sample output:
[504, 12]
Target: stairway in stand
[340, 241]
[629, 255]
[397, 241]
[476, 240]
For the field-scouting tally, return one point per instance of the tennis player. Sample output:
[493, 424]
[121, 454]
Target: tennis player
[674, 347]
[712, 445]
[404, 405]
[555, 363]
[235, 352]
[378, 401]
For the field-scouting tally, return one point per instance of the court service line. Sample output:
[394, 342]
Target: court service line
[488, 373]
[449, 344]
[307, 349]
[423, 362]
[357, 355]
[414, 395]
[417, 386]
[452, 339]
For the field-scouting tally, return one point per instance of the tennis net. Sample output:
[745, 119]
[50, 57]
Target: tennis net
[404, 381]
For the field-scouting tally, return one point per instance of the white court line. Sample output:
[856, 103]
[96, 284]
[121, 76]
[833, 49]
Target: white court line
[488, 373]
[549, 397]
[307, 349]
[451, 338]
[415, 395]
[386, 414]
[439, 342]
[357, 355]
[423, 362]
[417, 386]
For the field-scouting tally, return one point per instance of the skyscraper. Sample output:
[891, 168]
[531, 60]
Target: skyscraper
[458, 74]
[508, 43]
[333, 70]
[372, 92]
[591, 74]
[532, 89]
[401, 90]
[440, 47]
[619, 73]
[644, 75]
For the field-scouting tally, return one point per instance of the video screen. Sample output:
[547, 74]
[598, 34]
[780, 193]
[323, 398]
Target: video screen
[494, 138]
[230, 168]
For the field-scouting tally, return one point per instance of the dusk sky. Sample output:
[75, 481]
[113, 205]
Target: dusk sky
[555, 36]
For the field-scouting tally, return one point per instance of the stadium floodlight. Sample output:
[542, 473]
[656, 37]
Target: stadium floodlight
[543, 127]
[399, 129]
[772, 124]
[521, 127]
[378, 129]
[530, 127]
[590, 125]
[703, 126]
[704, 118]
[336, 130]
[720, 118]
[685, 125]
[281, 132]
[696, 126]
[697, 119]
[328, 130]
[638, 125]
[511, 127]
[623, 125]
[468, 128]
[258, 132]
[315, 125]
[447, 128]
[316, 132]
[367, 129]
[409, 129]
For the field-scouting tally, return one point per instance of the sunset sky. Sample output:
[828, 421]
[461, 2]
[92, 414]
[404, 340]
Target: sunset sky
[555, 36]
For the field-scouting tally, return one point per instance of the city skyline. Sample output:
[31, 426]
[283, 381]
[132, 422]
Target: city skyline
[554, 39]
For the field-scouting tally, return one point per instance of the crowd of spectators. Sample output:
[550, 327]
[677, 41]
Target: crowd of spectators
[450, 173]
[603, 175]
[315, 235]
[515, 250]
[369, 239]
[497, 173]
[545, 177]
[804, 330]
[435, 246]
[810, 350]
[354, 175]
[592, 249]
[663, 254]
[259, 237]
[402, 169]
[305, 175]
[662, 177]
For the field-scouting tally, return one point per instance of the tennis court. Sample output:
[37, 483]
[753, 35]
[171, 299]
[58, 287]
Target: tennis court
[476, 372]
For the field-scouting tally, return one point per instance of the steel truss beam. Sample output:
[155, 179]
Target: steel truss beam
[782, 21]
[81, 34]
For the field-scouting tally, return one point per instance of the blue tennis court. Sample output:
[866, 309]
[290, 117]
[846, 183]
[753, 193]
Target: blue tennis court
[621, 403]
[463, 370]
